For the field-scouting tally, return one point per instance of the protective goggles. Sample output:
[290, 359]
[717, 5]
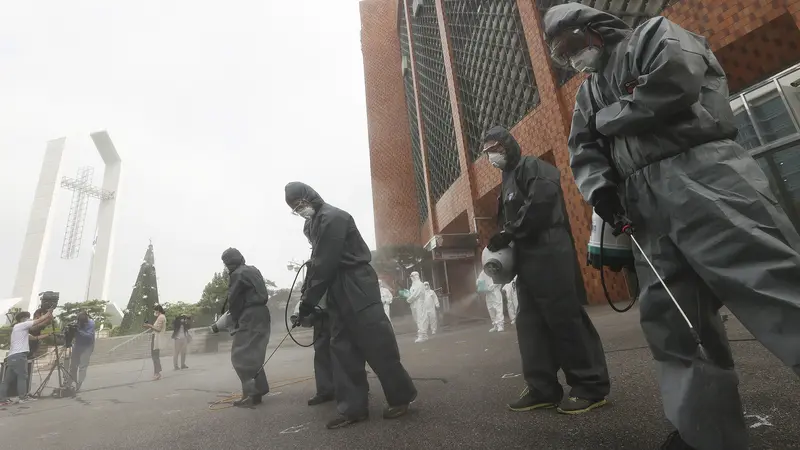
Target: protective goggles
[300, 205]
[569, 43]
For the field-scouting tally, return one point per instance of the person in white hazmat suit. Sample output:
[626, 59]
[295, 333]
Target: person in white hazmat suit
[386, 299]
[511, 297]
[427, 312]
[494, 300]
[416, 296]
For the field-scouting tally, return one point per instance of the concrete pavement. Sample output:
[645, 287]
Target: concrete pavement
[464, 376]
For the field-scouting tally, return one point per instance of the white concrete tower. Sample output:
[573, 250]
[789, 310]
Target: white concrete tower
[40, 223]
[35, 247]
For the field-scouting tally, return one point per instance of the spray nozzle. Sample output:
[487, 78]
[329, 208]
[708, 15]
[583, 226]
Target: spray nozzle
[622, 225]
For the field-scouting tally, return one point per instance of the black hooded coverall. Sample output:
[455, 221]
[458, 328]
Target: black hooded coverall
[323, 364]
[247, 299]
[553, 329]
[360, 331]
[654, 126]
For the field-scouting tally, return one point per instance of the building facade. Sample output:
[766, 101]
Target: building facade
[439, 73]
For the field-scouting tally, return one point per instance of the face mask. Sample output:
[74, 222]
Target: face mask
[306, 212]
[498, 160]
[587, 60]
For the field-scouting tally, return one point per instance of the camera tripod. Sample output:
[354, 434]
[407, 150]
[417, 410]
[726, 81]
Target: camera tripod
[65, 379]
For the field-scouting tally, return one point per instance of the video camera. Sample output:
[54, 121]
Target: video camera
[70, 330]
[48, 300]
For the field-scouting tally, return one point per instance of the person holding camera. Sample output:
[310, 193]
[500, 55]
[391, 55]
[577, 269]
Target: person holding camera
[82, 348]
[17, 359]
[35, 335]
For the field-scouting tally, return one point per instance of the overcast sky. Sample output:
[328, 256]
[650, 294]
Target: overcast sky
[213, 108]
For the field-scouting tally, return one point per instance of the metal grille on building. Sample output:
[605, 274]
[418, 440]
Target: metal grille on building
[493, 66]
[444, 167]
[411, 106]
[632, 12]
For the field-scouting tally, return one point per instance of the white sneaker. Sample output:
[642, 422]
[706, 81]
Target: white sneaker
[26, 399]
[419, 340]
[500, 329]
[514, 322]
[493, 330]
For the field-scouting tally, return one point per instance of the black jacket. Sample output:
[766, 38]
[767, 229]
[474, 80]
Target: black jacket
[531, 200]
[246, 287]
[337, 246]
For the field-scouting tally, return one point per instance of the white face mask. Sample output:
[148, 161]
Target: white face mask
[497, 160]
[587, 60]
[306, 212]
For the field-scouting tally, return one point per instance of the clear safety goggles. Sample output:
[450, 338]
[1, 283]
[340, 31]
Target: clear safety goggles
[300, 205]
[569, 43]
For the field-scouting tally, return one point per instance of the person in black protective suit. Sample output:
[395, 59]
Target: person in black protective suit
[651, 147]
[360, 330]
[247, 300]
[323, 366]
[553, 329]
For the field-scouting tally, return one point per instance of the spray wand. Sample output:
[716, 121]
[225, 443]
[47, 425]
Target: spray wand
[624, 226]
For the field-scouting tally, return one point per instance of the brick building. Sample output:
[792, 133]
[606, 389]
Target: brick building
[440, 72]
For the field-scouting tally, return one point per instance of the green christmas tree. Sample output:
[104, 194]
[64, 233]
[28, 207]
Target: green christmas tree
[143, 298]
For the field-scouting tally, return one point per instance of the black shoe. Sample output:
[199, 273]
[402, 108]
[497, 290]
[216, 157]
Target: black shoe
[393, 412]
[248, 402]
[528, 402]
[341, 422]
[575, 405]
[319, 399]
[675, 442]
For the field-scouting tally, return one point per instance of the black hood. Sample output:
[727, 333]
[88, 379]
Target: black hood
[232, 259]
[504, 137]
[571, 15]
[300, 191]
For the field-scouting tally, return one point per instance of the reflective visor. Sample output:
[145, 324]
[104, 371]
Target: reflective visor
[568, 43]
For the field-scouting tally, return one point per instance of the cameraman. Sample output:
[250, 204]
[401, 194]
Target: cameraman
[17, 360]
[82, 349]
[35, 335]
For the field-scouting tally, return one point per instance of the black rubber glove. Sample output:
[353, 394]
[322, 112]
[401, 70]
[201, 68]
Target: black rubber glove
[499, 241]
[306, 310]
[608, 206]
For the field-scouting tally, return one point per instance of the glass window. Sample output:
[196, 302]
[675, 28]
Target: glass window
[783, 172]
[770, 114]
[791, 89]
[747, 136]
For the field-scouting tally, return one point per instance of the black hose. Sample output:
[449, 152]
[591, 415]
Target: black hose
[286, 311]
[603, 278]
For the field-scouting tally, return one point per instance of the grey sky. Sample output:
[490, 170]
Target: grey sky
[212, 108]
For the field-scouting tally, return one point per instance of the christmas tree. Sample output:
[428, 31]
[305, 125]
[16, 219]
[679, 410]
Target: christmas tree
[143, 298]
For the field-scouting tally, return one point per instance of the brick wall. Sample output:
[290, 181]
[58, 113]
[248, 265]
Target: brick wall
[393, 189]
